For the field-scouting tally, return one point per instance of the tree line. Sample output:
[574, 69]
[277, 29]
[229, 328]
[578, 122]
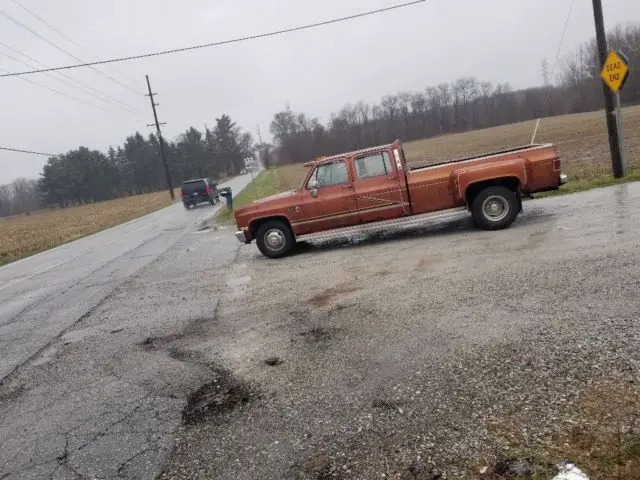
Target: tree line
[84, 175]
[457, 106]
[20, 196]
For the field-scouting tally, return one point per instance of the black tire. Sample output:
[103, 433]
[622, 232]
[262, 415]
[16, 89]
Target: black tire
[495, 208]
[187, 206]
[212, 200]
[272, 248]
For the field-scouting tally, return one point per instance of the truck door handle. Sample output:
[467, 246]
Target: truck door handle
[393, 177]
[347, 186]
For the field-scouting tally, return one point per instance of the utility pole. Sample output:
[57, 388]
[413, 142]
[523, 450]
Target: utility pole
[615, 145]
[160, 139]
[261, 146]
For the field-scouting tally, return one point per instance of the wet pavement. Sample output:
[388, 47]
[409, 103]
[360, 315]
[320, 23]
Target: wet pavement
[58, 389]
[101, 368]
[42, 295]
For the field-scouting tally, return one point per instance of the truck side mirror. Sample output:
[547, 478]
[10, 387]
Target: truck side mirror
[313, 187]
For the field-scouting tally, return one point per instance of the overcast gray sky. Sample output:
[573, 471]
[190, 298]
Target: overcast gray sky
[315, 71]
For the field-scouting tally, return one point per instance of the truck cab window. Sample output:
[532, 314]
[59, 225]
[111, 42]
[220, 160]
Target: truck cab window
[331, 174]
[374, 165]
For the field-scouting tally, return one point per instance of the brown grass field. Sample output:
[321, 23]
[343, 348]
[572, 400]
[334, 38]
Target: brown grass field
[22, 235]
[581, 138]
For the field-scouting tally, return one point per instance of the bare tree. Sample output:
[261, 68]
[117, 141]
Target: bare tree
[463, 104]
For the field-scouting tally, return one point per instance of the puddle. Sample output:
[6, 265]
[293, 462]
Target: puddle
[238, 285]
[239, 281]
[46, 356]
[207, 226]
[75, 336]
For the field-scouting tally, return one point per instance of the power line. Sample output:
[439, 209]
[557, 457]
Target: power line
[51, 27]
[70, 40]
[54, 90]
[73, 83]
[555, 63]
[19, 150]
[57, 47]
[223, 42]
[67, 38]
[564, 33]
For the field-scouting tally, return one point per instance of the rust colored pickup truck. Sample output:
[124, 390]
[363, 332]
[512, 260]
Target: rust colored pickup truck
[374, 189]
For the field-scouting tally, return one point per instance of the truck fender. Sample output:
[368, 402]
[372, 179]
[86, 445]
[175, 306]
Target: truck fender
[491, 173]
[254, 223]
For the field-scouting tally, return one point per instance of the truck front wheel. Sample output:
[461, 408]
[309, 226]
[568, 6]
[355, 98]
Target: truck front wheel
[495, 208]
[275, 239]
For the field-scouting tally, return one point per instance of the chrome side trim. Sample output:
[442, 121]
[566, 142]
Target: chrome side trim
[403, 222]
[326, 217]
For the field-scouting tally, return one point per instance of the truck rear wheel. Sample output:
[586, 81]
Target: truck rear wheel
[275, 239]
[495, 208]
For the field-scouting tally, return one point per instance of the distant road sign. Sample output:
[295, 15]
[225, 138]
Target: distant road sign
[615, 71]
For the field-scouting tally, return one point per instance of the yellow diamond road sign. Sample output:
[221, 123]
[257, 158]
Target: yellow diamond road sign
[614, 71]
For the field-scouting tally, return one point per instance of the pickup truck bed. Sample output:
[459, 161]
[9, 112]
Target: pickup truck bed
[475, 157]
[445, 185]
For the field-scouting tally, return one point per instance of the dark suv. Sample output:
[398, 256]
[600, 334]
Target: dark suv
[198, 191]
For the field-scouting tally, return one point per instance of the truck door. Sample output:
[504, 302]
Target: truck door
[328, 199]
[379, 192]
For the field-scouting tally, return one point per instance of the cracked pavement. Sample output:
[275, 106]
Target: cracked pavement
[82, 395]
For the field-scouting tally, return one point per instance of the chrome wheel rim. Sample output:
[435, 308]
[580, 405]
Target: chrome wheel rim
[495, 208]
[274, 239]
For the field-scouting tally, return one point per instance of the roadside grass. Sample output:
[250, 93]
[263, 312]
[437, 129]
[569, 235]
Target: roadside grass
[581, 138]
[603, 439]
[25, 235]
[590, 183]
[266, 183]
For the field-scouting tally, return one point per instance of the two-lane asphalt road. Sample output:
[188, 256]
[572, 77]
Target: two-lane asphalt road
[43, 295]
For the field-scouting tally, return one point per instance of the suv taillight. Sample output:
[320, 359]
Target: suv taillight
[208, 190]
[556, 164]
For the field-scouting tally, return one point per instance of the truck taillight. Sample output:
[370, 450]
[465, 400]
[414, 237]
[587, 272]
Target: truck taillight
[556, 164]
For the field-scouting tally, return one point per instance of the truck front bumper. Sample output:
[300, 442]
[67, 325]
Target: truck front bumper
[241, 236]
[563, 178]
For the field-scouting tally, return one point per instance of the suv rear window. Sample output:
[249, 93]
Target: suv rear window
[188, 188]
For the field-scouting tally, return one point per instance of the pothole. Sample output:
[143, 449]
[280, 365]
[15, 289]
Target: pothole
[273, 361]
[224, 394]
[319, 334]
[157, 343]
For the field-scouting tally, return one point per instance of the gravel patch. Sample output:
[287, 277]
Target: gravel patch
[459, 352]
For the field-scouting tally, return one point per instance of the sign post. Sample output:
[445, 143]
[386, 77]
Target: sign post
[610, 80]
[615, 72]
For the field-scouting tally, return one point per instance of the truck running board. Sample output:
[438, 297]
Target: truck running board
[402, 222]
